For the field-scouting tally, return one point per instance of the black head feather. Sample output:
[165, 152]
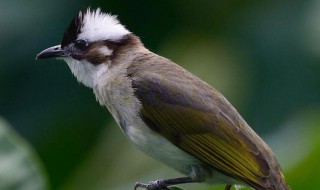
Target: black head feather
[71, 34]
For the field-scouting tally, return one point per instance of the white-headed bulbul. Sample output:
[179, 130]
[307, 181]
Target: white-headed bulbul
[165, 110]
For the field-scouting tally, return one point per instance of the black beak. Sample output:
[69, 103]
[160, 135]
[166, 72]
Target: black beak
[52, 52]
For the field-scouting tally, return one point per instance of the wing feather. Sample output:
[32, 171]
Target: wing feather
[200, 121]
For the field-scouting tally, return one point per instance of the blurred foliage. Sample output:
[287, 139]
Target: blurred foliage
[175, 188]
[262, 55]
[20, 168]
[304, 175]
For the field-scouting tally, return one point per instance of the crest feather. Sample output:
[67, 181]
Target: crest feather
[94, 25]
[71, 33]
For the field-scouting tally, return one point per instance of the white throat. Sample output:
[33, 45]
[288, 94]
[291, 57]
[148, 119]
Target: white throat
[85, 72]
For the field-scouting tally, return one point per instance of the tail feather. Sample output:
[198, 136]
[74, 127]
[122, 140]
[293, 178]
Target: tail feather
[276, 182]
[282, 184]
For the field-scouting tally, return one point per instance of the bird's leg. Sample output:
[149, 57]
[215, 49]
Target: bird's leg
[228, 187]
[164, 183]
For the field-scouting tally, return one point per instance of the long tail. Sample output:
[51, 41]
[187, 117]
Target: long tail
[282, 184]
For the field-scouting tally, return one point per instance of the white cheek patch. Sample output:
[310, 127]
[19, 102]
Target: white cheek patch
[105, 51]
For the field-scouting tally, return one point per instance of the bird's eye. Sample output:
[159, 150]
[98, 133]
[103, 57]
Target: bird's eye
[81, 44]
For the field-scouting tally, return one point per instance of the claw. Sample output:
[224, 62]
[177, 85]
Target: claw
[137, 185]
[152, 185]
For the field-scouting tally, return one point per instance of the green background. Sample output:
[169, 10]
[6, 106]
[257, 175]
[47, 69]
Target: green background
[262, 55]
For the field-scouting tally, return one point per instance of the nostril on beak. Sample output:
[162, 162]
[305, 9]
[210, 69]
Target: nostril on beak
[56, 49]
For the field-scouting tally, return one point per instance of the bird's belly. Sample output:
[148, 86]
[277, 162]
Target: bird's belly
[161, 149]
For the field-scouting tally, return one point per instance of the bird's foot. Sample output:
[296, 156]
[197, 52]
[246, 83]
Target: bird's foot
[152, 185]
[163, 184]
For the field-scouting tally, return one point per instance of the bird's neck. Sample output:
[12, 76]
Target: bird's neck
[113, 88]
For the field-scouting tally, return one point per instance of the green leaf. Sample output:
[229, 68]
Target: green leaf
[20, 168]
[175, 188]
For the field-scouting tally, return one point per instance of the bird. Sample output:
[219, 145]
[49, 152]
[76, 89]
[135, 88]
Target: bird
[166, 111]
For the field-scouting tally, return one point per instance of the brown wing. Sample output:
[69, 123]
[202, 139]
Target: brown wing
[200, 121]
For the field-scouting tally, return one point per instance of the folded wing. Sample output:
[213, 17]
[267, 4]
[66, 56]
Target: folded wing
[200, 121]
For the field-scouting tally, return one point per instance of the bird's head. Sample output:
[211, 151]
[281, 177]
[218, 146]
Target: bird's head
[89, 44]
